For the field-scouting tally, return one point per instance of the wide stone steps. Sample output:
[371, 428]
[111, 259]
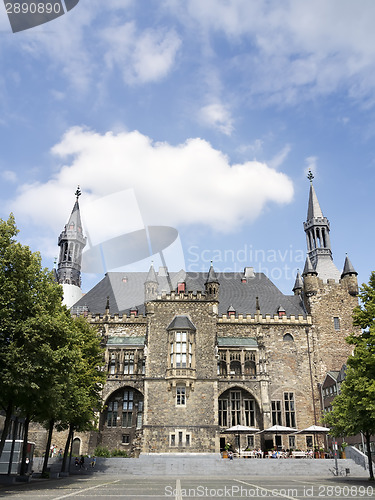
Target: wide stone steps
[207, 465]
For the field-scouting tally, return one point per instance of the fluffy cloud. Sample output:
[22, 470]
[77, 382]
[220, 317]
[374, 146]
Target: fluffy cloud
[191, 183]
[141, 57]
[217, 116]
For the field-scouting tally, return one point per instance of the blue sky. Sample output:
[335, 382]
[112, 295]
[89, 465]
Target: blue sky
[202, 115]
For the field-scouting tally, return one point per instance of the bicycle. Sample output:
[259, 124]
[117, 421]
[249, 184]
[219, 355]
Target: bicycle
[338, 472]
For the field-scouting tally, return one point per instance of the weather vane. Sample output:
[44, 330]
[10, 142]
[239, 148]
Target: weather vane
[310, 176]
[78, 193]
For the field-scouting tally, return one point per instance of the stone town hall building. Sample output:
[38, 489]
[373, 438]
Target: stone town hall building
[201, 352]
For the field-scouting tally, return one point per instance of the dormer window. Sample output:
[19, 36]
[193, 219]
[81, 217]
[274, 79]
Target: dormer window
[134, 311]
[181, 287]
[281, 312]
[231, 311]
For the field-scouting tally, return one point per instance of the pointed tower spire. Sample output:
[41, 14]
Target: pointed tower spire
[298, 284]
[348, 268]
[151, 284]
[317, 236]
[212, 284]
[349, 277]
[71, 242]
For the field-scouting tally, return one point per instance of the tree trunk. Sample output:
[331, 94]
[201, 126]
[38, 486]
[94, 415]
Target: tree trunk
[24, 446]
[14, 437]
[66, 450]
[8, 416]
[368, 448]
[48, 446]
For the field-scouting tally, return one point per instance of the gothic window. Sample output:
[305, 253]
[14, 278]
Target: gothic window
[249, 412]
[223, 412]
[140, 414]
[124, 409]
[129, 363]
[180, 395]
[222, 367]
[235, 368]
[276, 413]
[235, 407]
[181, 349]
[336, 323]
[112, 364]
[112, 414]
[289, 409]
[127, 409]
[288, 338]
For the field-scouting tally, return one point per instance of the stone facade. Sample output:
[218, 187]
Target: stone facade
[204, 353]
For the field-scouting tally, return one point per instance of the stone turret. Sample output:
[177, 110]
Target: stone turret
[151, 284]
[310, 279]
[298, 284]
[71, 242]
[212, 284]
[349, 277]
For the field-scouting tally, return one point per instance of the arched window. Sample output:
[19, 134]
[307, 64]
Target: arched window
[288, 338]
[237, 407]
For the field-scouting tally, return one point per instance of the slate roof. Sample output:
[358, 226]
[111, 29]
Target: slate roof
[313, 210]
[127, 289]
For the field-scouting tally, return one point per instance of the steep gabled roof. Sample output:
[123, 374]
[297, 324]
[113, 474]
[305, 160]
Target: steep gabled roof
[127, 289]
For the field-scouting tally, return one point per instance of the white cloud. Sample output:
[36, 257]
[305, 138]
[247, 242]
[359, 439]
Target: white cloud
[191, 183]
[218, 116]
[141, 57]
[9, 176]
[292, 51]
[280, 157]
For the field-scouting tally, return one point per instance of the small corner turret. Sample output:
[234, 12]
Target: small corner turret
[151, 284]
[349, 277]
[212, 284]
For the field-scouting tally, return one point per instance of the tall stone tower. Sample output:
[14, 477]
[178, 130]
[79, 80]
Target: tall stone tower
[318, 241]
[71, 242]
[329, 296]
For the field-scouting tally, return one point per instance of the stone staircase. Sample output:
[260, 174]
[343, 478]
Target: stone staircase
[200, 465]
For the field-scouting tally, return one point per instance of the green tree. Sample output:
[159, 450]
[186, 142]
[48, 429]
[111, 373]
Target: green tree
[354, 408]
[27, 291]
[83, 399]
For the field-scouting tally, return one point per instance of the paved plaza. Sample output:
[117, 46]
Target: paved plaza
[103, 486]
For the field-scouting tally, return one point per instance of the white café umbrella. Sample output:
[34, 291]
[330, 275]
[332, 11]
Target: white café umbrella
[314, 429]
[241, 429]
[279, 429]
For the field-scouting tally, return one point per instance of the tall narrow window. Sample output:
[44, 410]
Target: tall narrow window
[112, 414]
[336, 323]
[112, 365]
[235, 406]
[127, 409]
[290, 414]
[223, 412]
[129, 363]
[276, 413]
[139, 414]
[180, 395]
[249, 410]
